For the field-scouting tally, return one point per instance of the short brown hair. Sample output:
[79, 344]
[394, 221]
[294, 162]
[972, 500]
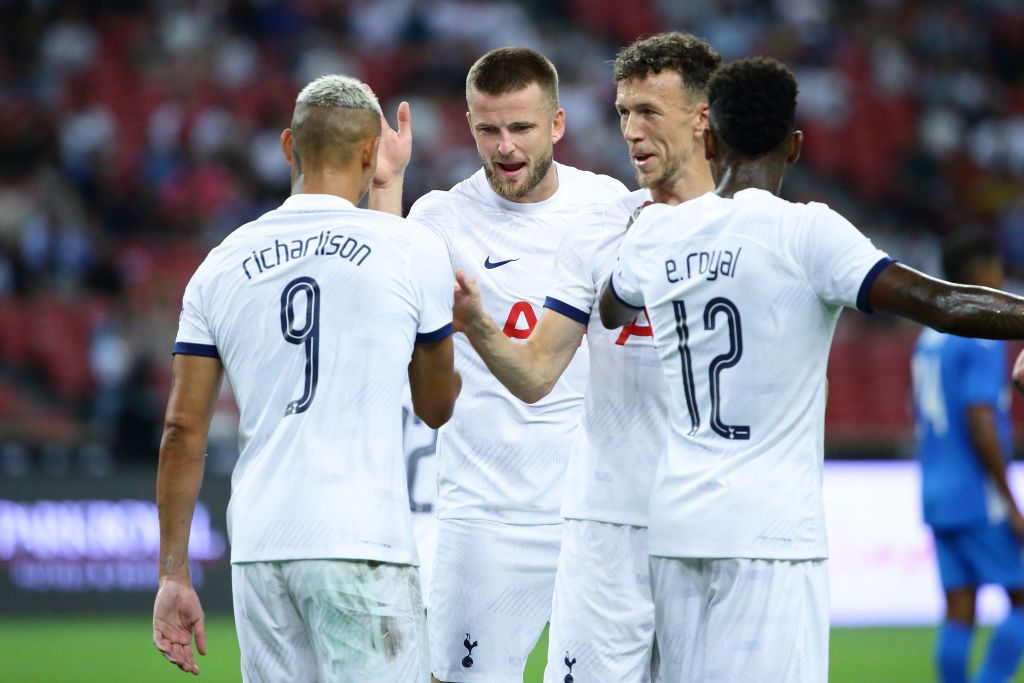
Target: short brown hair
[510, 69]
[692, 58]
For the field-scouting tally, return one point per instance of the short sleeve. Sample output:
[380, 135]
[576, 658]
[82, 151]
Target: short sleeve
[194, 336]
[840, 263]
[624, 283]
[984, 371]
[432, 278]
[573, 292]
[432, 210]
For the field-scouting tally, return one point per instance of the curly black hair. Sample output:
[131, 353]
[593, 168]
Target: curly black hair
[753, 105]
[691, 57]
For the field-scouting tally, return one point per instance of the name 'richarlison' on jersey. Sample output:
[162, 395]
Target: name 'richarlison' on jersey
[709, 264]
[280, 252]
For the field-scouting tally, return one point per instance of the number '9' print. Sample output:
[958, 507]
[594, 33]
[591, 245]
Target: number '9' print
[308, 335]
[717, 306]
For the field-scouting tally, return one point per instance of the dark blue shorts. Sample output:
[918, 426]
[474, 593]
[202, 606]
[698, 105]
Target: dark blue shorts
[979, 555]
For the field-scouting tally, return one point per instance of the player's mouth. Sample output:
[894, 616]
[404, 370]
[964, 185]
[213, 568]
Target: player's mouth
[509, 170]
[642, 161]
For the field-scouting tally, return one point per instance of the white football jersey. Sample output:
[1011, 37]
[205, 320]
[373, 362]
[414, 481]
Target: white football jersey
[744, 295]
[499, 458]
[314, 309]
[622, 434]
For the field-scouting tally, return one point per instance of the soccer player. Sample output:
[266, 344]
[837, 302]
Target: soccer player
[602, 622]
[962, 402]
[316, 312]
[743, 290]
[502, 462]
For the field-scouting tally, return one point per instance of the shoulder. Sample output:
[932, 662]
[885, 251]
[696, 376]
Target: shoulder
[596, 183]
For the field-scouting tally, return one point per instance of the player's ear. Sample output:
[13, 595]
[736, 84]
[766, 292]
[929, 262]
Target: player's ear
[710, 144]
[369, 155]
[796, 143]
[701, 122]
[558, 125]
[286, 143]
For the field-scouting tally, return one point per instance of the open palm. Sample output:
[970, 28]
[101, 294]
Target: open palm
[177, 616]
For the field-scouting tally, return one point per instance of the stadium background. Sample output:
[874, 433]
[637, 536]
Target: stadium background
[135, 135]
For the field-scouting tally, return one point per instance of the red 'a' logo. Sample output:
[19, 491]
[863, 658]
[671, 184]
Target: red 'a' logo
[520, 309]
[634, 329]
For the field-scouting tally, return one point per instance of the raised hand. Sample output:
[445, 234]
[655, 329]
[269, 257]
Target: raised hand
[395, 148]
[177, 616]
[468, 309]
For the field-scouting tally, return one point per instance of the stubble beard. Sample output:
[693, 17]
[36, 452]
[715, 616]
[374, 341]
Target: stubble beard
[507, 189]
[668, 176]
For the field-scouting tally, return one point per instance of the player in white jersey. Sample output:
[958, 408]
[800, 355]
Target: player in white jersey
[602, 623]
[314, 312]
[501, 462]
[744, 290]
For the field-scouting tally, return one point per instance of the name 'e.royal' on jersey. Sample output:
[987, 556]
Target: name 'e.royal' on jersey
[743, 295]
[314, 309]
[501, 459]
[622, 432]
[951, 374]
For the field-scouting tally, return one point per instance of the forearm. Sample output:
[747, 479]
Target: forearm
[387, 197]
[964, 310]
[179, 477]
[528, 375]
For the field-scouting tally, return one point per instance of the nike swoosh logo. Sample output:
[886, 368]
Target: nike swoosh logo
[488, 264]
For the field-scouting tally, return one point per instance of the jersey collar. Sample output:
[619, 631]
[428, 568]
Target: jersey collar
[316, 202]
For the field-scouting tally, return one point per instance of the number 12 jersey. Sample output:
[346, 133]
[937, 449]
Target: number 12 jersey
[314, 309]
[743, 296]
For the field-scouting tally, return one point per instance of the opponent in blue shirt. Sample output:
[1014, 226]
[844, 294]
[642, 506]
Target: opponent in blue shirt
[962, 400]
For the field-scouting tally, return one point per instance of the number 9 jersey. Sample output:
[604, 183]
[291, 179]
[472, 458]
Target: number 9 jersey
[314, 309]
[743, 295]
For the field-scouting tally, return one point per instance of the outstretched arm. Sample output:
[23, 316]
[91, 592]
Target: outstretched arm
[528, 370]
[393, 156]
[177, 614]
[964, 310]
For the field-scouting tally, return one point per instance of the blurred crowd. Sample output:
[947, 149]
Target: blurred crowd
[134, 136]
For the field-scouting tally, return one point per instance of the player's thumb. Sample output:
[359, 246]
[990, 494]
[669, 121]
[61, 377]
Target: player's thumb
[404, 120]
[201, 635]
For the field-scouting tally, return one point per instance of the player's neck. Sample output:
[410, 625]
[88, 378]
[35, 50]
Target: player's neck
[340, 183]
[745, 175]
[694, 181]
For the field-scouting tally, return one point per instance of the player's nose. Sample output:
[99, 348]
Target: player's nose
[505, 144]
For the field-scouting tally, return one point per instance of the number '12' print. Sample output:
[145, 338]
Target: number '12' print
[716, 307]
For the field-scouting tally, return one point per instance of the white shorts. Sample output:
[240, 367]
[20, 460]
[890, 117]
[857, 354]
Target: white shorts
[490, 598]
[602, 615]
[330, 620]
[741, 620]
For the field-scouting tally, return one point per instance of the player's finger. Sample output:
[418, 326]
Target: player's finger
[201, 635]
[465, 282]
[404, 120]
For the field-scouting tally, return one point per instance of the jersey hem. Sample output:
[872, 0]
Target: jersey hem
[720, 555]
[869, 279]
[568, 310]
[389, 558]
[192, 349]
